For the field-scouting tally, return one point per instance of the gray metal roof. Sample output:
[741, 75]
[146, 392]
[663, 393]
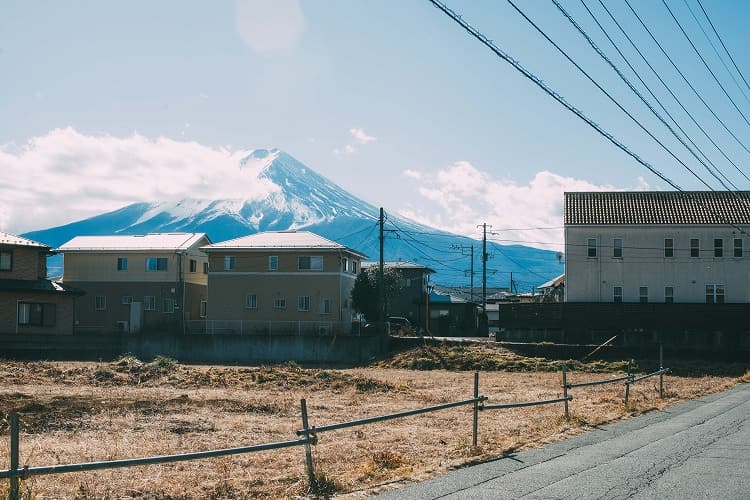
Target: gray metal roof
[281, 240]
[144, 242]
[657, 207]
[12, 239]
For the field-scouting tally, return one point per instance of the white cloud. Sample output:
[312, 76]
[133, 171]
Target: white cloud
[65, 176]
[360, 137]
[270, 26]
[462, 196]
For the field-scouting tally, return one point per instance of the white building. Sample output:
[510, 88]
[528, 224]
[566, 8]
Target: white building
[654, 246]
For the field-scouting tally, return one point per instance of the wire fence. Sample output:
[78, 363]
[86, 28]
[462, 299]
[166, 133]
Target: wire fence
[307, 435]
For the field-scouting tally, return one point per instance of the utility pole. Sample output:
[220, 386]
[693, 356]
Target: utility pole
[484, 267]
[381, 281]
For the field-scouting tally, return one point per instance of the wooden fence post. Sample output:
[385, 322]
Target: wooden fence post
[308, 450]
[661, 367]
[13, 493]
[476, 411]
[627, 385]
[565, 390]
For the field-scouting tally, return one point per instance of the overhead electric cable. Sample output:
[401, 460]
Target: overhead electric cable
[517, 65]
[716, 51]
[661, 80]
[697, 52]
[722, 44]
[630, 85]
[683, 75]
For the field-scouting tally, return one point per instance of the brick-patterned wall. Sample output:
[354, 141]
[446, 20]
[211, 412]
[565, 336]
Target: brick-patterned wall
[28, 264]
[64, 310]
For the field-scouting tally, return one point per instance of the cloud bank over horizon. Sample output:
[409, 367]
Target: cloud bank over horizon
[65, 176]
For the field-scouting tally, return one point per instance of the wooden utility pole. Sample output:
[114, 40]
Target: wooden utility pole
[381, 280]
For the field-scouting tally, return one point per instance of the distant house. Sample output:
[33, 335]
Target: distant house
[411, 303]
[29, 302]
[552, 290]
[655, 246]
[153, 282]
[451, 315]
[284, 281]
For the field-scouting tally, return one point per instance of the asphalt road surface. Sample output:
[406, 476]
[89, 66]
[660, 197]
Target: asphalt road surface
[695, 450]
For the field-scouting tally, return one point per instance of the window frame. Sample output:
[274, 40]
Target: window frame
[202, 312]
[325, 306]
[36, 314]
[279, 303]
[617, 248]
[251, 304]
[157, 264]
[122, 264]
[643, 298]
[669, 297]
[717, 294]
[149, 299]
[100, 303]
[718, 248]
[273, 262]
[126, 300]
[695, 250]
[9, 254]
[738, 248]
[592, 248]
[310, 259]
[303, 303]
[617, 297]
[668, 248]
[167, 305]
[230, 263]
[205, 268]
[193, 266]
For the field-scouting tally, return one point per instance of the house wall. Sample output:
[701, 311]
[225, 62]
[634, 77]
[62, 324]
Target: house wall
[102, 266]
[64, 306]
[591, 279]
[29, 263]
[228, 288]
[410, 302]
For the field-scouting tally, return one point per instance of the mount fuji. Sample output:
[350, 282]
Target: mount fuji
[293, 196]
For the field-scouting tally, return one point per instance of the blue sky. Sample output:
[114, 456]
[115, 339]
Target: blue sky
[108, 103]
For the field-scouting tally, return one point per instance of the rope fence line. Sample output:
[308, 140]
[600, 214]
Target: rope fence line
[308, 434]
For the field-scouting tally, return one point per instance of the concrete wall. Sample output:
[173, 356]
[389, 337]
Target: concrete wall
[643, 264]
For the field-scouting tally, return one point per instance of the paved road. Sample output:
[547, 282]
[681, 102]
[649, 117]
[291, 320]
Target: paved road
[699, 449]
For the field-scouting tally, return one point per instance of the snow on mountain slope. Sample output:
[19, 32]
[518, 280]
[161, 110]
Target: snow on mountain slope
[286, 194]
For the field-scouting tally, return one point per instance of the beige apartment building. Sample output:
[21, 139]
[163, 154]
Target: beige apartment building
[29, 302]
[286, 281]
[152, 282]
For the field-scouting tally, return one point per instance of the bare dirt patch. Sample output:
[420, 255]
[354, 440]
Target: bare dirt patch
[79, 412]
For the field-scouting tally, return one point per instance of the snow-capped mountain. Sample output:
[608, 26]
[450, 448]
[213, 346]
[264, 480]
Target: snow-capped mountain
[286, 194]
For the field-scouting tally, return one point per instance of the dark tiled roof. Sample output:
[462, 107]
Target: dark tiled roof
[39, 286]
[658, 207]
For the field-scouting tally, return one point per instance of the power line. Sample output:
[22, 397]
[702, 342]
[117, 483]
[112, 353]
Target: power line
[517, 65]
[643, 99]
[682, 75]
[697, 52]
[722, 44]
[661, 80]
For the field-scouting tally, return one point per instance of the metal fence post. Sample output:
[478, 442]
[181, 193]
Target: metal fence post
[308, 450]
[13, 493]
[627, 385]
[476, 410]
[661, 367]
[565, 389]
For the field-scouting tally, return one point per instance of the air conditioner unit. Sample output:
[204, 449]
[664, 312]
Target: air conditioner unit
[323, 330]
[123, 326]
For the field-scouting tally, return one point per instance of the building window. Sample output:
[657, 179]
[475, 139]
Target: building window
[36, 314]
[617, 248]
[591, 247]
[325, 306]
[100, 303]
[617, 294]
[668, 247]
[156, 264]
[229, 262]
[279, 303]
[718, 247]
[643, 294]
[668, 294]
[303, 303]
[127, 299]
[205, 268]
[738, 247]
[344, 264]
[6, 260]
[122, 263]
[203, 309]
[714, 294]
[167, 306]
[149, 303]
[695, 247]
[273, 262]
[354, 267]
[310, 263]
[193, 265]
[251, 301]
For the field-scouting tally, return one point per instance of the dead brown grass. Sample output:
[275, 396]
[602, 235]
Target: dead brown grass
[79, 412]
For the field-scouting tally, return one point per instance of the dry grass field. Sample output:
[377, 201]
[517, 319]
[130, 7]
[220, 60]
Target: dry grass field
[79, 412]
